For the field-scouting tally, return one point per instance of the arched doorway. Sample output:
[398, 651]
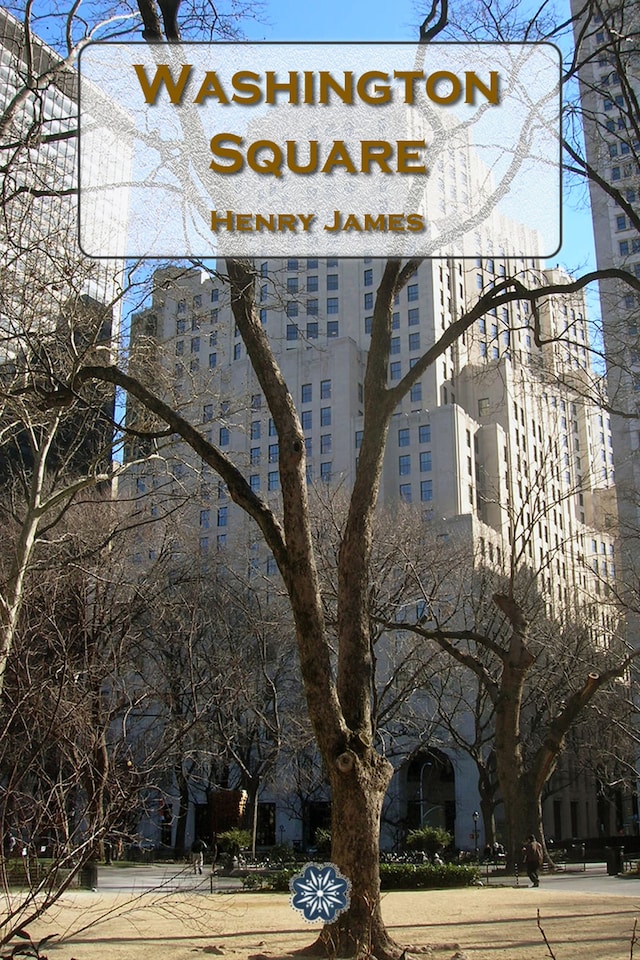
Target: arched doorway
[430, 791]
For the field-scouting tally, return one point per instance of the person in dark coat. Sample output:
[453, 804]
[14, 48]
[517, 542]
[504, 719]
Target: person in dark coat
[198, 848]
[533, 857]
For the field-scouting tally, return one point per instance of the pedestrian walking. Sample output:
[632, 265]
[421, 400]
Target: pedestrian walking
[533, 857]
[198, 848]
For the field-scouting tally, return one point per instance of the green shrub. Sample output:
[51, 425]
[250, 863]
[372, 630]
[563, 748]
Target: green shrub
[282, 853]
[425, 876]
[393, 876]
[429, 839]
[322, 842]
[234, 840]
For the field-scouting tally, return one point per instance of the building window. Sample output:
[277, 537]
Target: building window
[205, 516]
[195, 344]
[404, 437]
[325, 389]
[368, 324]
[263, 316]
[308, 446]
[325, 416]
[413, 315]
[426, 490]
[312, 284]
[292, 309]
[412, 292]
[292, 331]
[307, 419]
[207, 412]
[292, 284]
[237, 351]
[325, 443]
[215, 295]
[624, 248]
[312, 330]
[221, 540]
[254, 456]
[404, 464]
[405, 492]
[325, 472]
[414, 341]
[425, 461]
[312, 308]
[332, 281]
[333, 328]
[272, 428]
[224, 436]
[306, 393]
[368, 278]
[273, 453]
[254, 482]
[255, 430]
[368, 301]
[332, 305]
[273, 480]
[424, 433]
[292, 264]
[213, 360]
[358, 439]
[223, 515]
[395, 370]
[395, 345]
[416, 392]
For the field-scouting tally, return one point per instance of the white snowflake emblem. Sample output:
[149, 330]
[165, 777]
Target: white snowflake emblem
[320, 892]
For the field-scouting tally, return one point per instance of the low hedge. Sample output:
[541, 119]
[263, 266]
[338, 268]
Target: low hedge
[426, 876]
[393, 876]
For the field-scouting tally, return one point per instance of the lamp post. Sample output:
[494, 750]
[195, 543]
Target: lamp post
[475, 816]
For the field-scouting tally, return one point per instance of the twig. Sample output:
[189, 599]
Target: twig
[634, 938]
[544, 937]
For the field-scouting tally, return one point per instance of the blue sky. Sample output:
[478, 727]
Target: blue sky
[357, 20]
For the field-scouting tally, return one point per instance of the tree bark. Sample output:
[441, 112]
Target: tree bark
[183, 809]
[359, 780]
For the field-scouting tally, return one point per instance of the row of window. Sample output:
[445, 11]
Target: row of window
[293, 264]
[629, 246]
[312, 330]
[332, 283]
[426, 491]
[292, 308]
[413, 319]
[424, 435]
[404, 463]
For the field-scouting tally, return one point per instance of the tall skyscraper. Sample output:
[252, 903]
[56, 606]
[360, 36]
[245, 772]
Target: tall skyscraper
[608, 55]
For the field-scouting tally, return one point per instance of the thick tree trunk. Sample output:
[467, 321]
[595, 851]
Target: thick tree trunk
[487, 808]
[359, 783]
[523, 816]
[183, 809]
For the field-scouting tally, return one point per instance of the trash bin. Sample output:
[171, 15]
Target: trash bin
[615, 860]
[89, 875]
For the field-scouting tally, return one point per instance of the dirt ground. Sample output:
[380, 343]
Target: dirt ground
[488, 923]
